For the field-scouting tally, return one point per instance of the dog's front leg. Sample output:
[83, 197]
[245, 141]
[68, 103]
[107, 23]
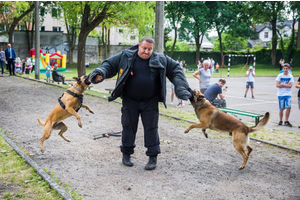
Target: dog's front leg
[73, 112]
[200, 125]
[87, 107]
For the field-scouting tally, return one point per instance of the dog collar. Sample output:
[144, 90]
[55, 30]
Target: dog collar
[79, 90]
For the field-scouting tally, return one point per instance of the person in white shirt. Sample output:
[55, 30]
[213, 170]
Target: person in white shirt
[250, 81]
[284, 83]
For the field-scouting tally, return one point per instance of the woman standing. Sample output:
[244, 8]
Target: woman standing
[2, 60]
[204, 76]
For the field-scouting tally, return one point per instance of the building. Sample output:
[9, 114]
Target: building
[264, 32]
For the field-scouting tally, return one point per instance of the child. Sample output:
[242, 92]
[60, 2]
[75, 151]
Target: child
[217, 68]
[250, 81]
[48, 72]
[23, 66]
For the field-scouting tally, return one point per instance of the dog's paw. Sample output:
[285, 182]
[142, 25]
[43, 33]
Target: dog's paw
[80, 125]
[206, 135]
[42, 150]
[91, 111]
[186, 131]
[241, 167]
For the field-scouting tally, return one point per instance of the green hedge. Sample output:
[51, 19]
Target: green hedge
[262, 57]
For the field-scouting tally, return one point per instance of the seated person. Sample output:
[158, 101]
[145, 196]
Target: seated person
[212, 92]
[58, 77]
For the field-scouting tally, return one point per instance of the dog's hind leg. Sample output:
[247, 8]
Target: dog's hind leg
[249, 148]
[239, 145]
[63, 128]
[47, 133]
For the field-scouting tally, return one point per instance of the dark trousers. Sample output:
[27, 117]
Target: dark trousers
[131, 110]
[219, 103]
[11, 66]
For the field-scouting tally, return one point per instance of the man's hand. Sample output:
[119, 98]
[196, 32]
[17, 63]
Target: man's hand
[98, 78]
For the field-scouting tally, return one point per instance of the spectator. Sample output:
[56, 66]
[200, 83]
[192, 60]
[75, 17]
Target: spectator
[201, 60]
[87, 64]
[280, 64]
[33, 65]
[58, 77]
[2, 60]
[10, 56]
[184, 65]
[23, 66]
[142, 85]
[284, 83]
[217, 68]
[199, 65]
[214, 94]
[48, 72]
[291, 62]
[298, 86]
[212, 66]
[204, 76]
[250, 81]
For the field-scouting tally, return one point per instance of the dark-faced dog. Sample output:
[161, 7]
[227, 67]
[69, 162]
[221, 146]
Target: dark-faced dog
[67, 105]
[215, 119]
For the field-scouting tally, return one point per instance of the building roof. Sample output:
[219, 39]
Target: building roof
[287, 23]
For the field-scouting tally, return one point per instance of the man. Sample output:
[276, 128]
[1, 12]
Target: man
[10, 56]
[141, 84]
[250, 80]
[215, 95]
[284, 83]
[58, 77]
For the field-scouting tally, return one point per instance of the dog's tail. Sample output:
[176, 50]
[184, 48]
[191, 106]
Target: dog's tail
[40, 122]
[261, 123]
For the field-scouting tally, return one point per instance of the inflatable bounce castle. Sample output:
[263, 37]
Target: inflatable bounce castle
[52, 58]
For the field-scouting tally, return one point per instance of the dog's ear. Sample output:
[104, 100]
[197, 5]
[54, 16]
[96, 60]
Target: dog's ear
[78, 80]
[200, 96]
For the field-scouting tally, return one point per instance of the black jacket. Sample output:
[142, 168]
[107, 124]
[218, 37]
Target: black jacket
[122, 64]
[56, 76]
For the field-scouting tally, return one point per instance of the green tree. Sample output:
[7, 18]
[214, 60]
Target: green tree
[269, 12]
[174, 15]
[11, 14]
[179, 46]
[230, 43]
[195, 23]
[257, 47]
[230, 17]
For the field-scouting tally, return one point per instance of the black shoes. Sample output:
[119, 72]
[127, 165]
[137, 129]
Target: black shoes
[126, 160]
[65, 84]
[252, 97]
[287, 123]
[280, 123]
[151, 163]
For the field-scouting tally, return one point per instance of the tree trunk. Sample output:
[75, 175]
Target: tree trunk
[298, 35]
[274, 42]
[221, 47]
[174, 43]
[198, 46]
[81, 55]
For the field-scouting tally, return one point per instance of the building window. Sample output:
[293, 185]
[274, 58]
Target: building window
[121, 30]
[56, 29]
[266, 34]
[42, 28]
[55, 13]
[2, 28]
[42, 12]
[132, 37]
[21, 27]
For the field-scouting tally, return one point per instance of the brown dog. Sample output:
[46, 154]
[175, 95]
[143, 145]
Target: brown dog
[71, 101]
[215, 119]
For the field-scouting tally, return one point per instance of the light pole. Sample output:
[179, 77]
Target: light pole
[37, 41]
[159, 26]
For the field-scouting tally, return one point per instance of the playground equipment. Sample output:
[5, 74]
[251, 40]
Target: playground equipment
[52, 58]
[235, 55]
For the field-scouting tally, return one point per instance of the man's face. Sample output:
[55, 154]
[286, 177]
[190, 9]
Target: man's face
[8, 46]
[221, 84]
[145, 50]
[285, 70]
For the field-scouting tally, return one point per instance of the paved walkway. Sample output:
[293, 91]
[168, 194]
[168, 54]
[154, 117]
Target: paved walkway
[265, 93]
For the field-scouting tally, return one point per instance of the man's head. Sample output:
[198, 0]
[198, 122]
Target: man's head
[286, 68]
[9, 46]
[146, 47]
[221, 82]
[250, 68]
[55, 66]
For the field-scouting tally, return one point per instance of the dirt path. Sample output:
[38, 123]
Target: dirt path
[190, 167]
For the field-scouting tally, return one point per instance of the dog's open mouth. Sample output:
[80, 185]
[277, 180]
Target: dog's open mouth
[87, 80]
